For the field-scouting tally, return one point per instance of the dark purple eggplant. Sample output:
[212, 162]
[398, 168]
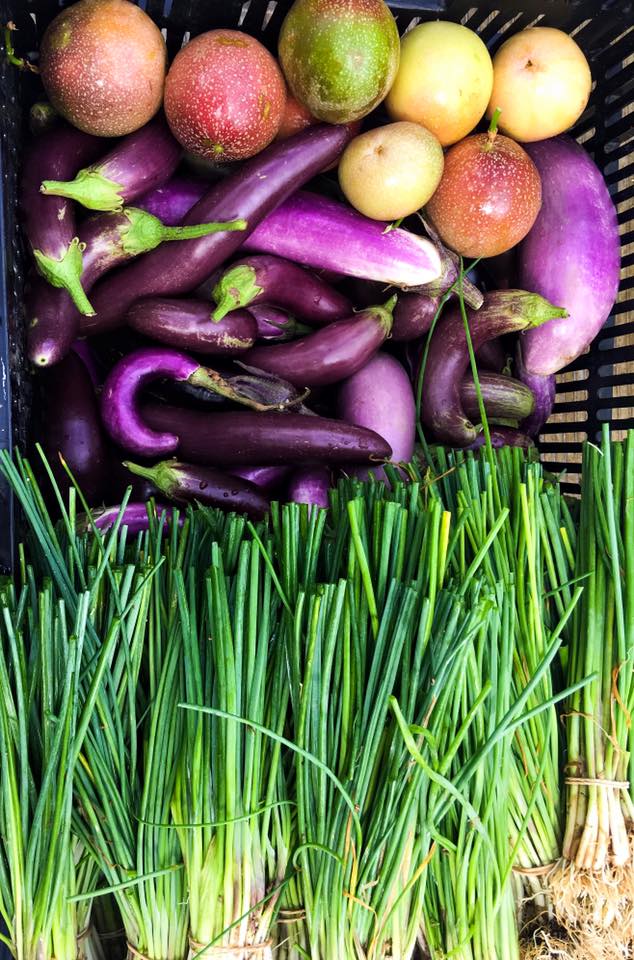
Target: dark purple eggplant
[49, 222]
[107, 241]
[503, 437]
[172, 201]
[328, 355]
[491, 355]
[268, 478]
[192, 483]
[543, 389]
[243, 438]
[506, 311]
[310, 485]
[271, 280]
[140, 162]
[251, 193]
[121, 392]
[275, 324]
[135, 517]
[71, 428]
[413, 315]
[188, 324]
[505, 398]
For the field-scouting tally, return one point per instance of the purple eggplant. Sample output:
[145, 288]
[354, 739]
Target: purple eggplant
[85, 353]
[135, 517]
[543, 389]
[571, 255]
[503, 437]
[120, 398]
[330, 354]
[250, 194]
[172, 201]
[71, 428]
[505, 398]
[192, 483]
[140, 162]
[413, 315]
[243, 438]
[268, 478]
[275, 324]
[380, 397]
[491, 355]
[322, 233]
[505, 311]
[188, 325]
[310, 485]
[271, 280]
[49, 222]
[107, 241]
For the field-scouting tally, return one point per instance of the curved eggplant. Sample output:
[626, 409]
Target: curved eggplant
[107, 241]
[71, 428]
[330, 354]
[192, 483]
[49, 222]
[505, 398]
[245, 438]
[507, 311]
[188, 325]
[140, 162]
[310, 485]
[120, 398]
[250, 194]
[272, 280]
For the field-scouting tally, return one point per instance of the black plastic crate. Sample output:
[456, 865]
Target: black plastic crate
[598, 386]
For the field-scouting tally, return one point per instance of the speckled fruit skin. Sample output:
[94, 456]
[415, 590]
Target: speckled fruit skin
[444, 80]
[103, 66]
[339, 57]
[486, 201]
[224, 96]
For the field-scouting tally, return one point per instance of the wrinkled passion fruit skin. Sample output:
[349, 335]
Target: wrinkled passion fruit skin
[103, 66]
[488, 199]
[339, 57]
[224, 96]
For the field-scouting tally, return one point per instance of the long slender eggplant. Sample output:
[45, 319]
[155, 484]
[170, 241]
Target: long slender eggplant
[107, 241]
[121, 393]
[193, 483]
[330, 354]
[503, 437]
[275, 324]
[310, 485]
[135, 517]
[272, 280]
[250, 194]
[243, 438]
[140, 162]
[172, 201]
[543, 389]
[506, 311]
[49, 222]
[71, 428]
[505, 398]
[188, 325]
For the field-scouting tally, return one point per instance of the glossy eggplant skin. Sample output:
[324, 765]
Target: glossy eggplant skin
[310, 485]
[172, 201]
[246, 438]
[329, 355]
[280, 283]
[71, 427]
[413, 315]
[188, 325]
[504, 397]
[194, 483]
[543, 388]
[251, 193]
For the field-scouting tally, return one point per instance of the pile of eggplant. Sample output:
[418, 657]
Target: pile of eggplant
[231, 339]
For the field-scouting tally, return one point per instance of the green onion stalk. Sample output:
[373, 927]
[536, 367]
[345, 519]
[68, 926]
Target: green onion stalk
[228, 783]
[594, 888]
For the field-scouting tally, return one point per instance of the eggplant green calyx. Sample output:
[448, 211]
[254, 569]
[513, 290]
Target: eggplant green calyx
[146, 231]
[528, 309]
[90, 188]
[162, 474]
[237, 288]
[384, 314]
[66, 273]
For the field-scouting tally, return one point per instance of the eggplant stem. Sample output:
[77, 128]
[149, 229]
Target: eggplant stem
[66, 273]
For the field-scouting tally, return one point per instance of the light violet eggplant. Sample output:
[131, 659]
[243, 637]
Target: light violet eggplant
[310, 485]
